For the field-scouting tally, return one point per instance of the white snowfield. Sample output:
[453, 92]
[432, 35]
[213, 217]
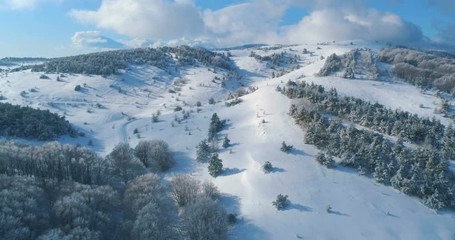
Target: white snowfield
[361, 208]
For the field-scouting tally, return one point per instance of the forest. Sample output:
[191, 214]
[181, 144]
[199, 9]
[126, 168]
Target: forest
[68, 192]
[424, 69]
[30, 123]
[111, 62]
[343, 127]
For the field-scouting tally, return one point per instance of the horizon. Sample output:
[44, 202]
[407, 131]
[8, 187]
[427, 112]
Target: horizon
[56, 28]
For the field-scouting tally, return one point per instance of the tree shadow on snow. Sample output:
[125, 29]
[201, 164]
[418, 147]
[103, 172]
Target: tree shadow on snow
[339, 213]
[232, 171]
[243, 228]
[297, 152]
[182, 163]
[299, 207]
[277, 170]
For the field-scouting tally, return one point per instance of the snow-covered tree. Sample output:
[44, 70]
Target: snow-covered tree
[203, 219]
[123, 164]
[154, 154]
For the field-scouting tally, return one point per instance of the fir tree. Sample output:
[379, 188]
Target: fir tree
[215, 166]
[281, 202]
[226, 142]
[203, 151]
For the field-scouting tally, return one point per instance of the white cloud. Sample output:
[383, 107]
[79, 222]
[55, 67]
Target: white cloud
[93, 39]
[256, 21]
[165, 19]
[338, 24]
[244, 23]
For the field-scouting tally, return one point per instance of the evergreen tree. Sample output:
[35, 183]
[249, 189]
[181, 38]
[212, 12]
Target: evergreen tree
[286, 148]
[215, 166]
[281, 202]
[226, 142]
[203, 151]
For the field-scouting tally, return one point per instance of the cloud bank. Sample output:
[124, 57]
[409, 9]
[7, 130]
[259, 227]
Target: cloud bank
[93, 39]
[256, 21]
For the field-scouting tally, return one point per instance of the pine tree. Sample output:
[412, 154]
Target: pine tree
[215, 166]
[281, 202]
[226, 142]
[286, 148]
[203, 151]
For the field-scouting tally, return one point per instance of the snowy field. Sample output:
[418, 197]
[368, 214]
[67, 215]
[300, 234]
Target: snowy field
[110, 110]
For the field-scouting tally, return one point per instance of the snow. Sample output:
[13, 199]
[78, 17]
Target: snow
[361, 208]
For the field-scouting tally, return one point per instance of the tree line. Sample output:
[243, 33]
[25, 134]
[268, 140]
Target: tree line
[110, 62]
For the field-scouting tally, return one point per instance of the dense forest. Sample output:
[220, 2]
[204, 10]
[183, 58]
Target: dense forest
[67, 192]
[110, 62]
[420, 68]
[27, 122]
[332, 123]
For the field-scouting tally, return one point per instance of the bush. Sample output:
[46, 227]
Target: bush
[267, 167]
[286, 148]
[178, 108]
[211, 101]
[77, 88]
[281, 202]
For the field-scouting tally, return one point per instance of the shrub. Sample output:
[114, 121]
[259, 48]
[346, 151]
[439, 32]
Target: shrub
[267, 167]
[281, 202]
[286, 148]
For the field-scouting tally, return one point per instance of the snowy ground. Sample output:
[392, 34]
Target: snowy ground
[362, 209]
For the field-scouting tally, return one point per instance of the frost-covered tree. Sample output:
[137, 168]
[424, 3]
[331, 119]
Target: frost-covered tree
[153, 222]
[185, 189]
[123, 164]
[24, 212]
[203, 219]
[154, 154]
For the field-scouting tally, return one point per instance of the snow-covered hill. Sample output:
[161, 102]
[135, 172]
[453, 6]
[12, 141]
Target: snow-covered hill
[119, 108]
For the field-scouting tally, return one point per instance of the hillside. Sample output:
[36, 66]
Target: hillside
[172, 102]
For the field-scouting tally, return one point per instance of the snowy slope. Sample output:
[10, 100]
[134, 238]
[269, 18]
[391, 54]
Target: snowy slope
[109, 110]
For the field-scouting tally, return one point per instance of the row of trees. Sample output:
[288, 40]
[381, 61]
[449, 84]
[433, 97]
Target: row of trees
[27, 122]
[397, 123]
[123, 201]
[110, 62]
[421, 172]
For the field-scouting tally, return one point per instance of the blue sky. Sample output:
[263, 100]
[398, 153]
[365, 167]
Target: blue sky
[66, 27]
